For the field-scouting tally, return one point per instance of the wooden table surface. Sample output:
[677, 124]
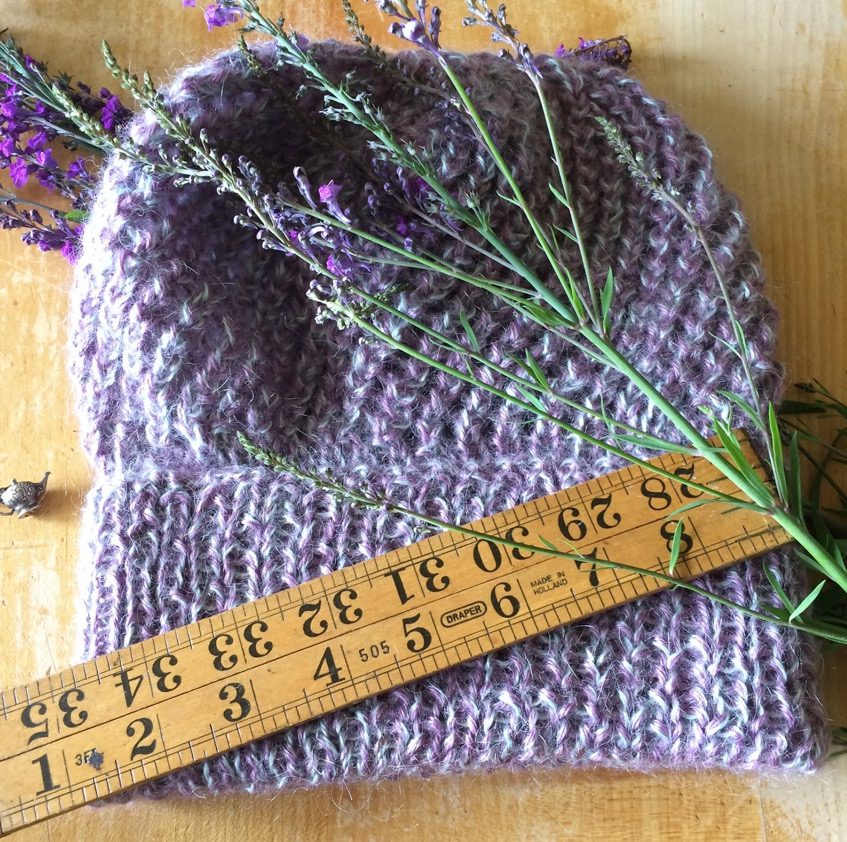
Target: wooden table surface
[764, 81]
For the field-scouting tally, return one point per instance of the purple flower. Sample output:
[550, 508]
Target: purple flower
[304, 185]
[435, 24]
[10, 110]
[69, 248]
[616, 52]
[414, 32]
[217, 14]
[18, 172]
[414, 188]
[372, 196]
[113, 113]
[44, 158]
[32, 64]
[37, 142]
[415, 28]
[343, 266]
[328, 194]
[76, 169]
[332, 266]
[190, 3]
[329, 191]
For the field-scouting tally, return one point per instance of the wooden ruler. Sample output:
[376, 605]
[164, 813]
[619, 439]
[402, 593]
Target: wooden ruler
[108, 724]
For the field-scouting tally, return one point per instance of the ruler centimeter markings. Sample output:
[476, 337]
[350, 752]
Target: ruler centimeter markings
[164, 703]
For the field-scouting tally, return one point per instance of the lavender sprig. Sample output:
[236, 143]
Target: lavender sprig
[216, 14]
[58, 235]
[362, 36]
[616, 52]
[416, 27]
[35, 100]
[573, 314]
[502, 32]
[36, 120]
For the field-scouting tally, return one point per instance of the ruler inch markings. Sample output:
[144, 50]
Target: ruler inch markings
[460, 611]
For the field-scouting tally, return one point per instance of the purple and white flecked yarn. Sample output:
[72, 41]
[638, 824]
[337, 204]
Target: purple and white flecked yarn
[185, 331]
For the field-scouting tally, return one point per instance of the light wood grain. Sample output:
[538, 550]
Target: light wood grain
[765, 82]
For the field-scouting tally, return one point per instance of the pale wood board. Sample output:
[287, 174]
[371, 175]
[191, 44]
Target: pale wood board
[765, 83]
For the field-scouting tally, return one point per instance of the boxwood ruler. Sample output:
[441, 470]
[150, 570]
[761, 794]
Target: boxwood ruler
[156, 706]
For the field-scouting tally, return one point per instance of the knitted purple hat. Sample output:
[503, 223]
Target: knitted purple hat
[186, 332]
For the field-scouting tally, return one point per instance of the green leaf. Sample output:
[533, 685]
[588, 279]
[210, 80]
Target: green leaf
[694, 504]
[569, 234]
[838, 553]
[676, 541]
[801, 408]
[795, 485]
[511, 200]
[745, 406]
[75, 215]
[558, 194]
[532, 399]
[535, 371]
[729, 442]
[778, 466]
[549, 544]
[783, 597]
[646, 440]
[807, 602]
[823, 533]
[742, 338]
[606, 298]
[550, 318]
[469, 332]
[733, 448]
[727, 344]
[809, 560]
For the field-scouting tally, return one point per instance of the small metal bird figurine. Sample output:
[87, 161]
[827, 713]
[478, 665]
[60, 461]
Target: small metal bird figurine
[23, 497]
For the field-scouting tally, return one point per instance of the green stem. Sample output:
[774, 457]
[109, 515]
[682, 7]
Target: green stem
[617, 361]
[453, 345]
[790, 524]
[824, 630]
[798, 531]
[587, 437]
[540, 235]
[18, 200]
[564, 181]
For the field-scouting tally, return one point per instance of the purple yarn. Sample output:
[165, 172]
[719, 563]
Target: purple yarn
[186, 331]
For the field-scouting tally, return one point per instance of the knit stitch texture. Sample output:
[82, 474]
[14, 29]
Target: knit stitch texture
[185, 331]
